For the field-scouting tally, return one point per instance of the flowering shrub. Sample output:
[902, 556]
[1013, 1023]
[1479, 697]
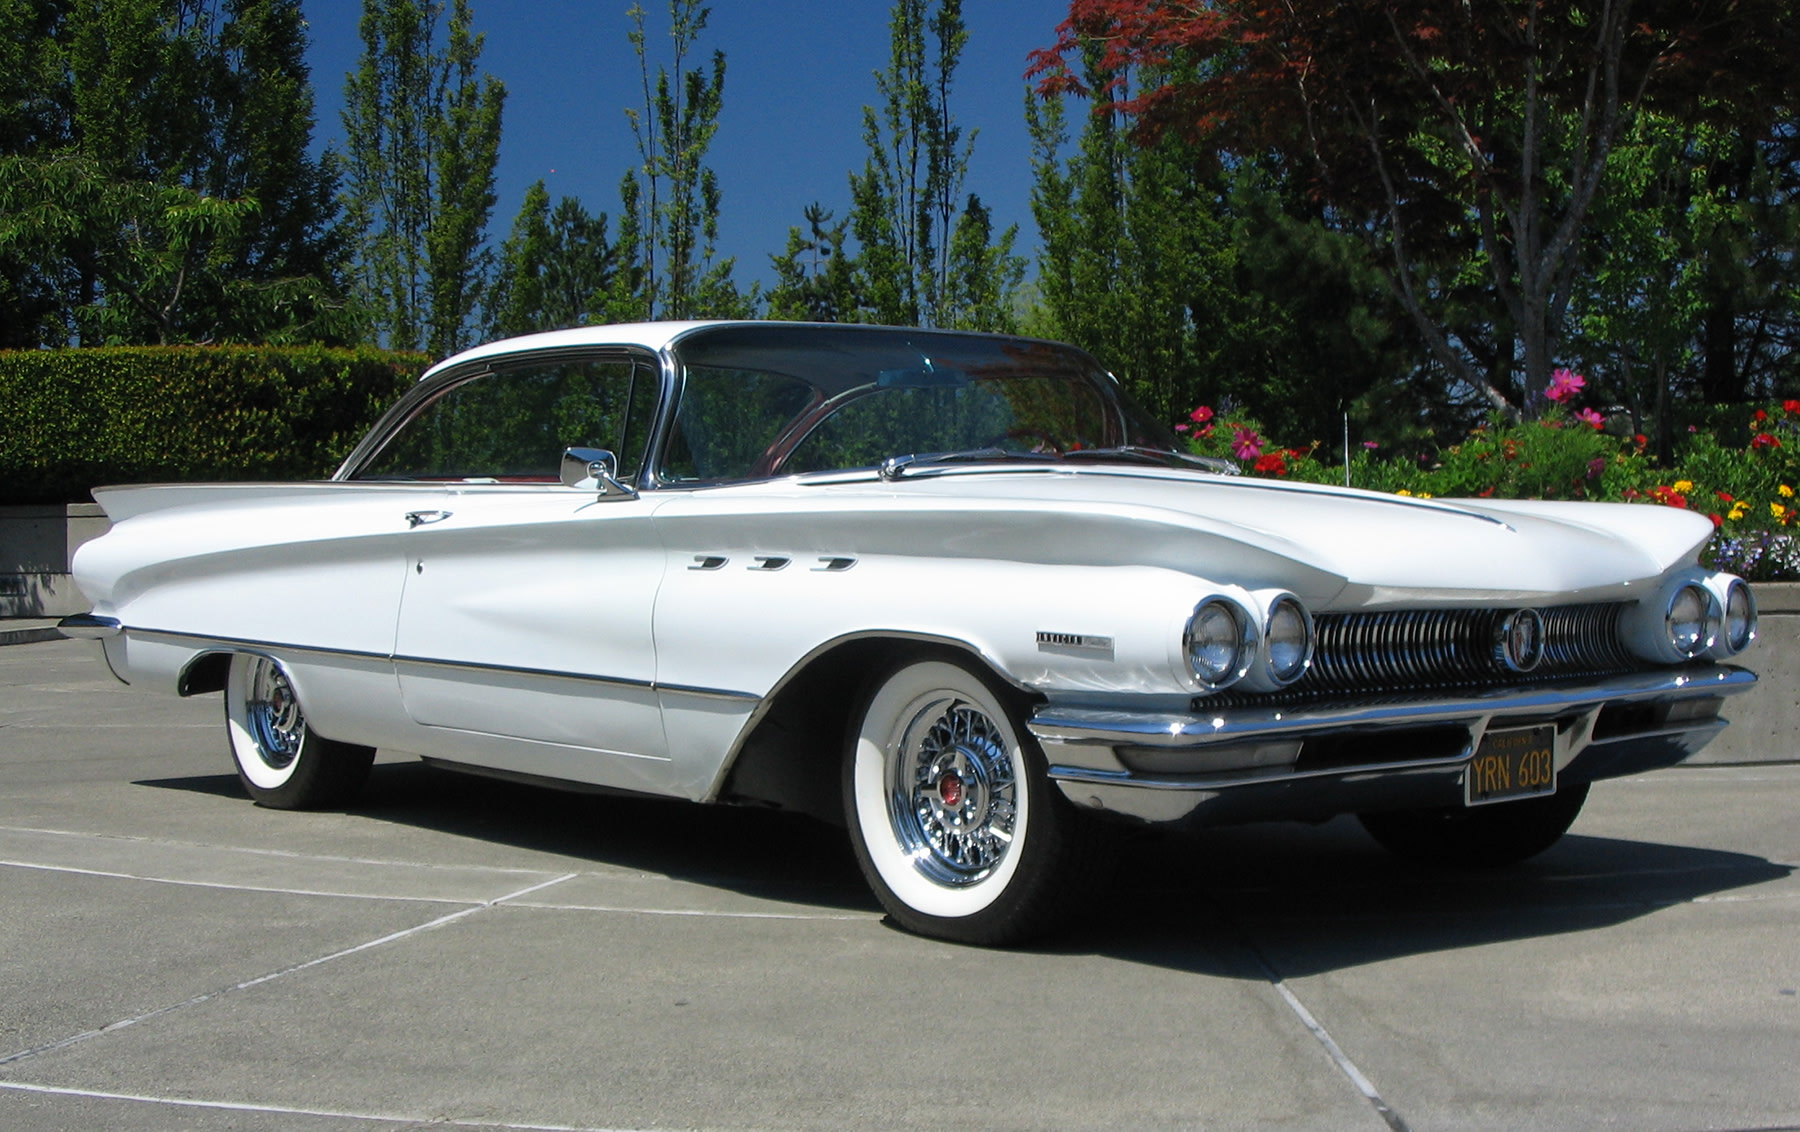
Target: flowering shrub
[1748, 491]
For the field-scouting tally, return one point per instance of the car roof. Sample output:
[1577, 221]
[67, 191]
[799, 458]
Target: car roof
[652, 336]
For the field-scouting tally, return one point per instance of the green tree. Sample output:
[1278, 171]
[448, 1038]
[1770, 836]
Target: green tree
[423, 135]
[1449, 135]
[555, 269]
[673, 196]
[815, 280]
[1198, 283]
[159, 186]
[927, 254]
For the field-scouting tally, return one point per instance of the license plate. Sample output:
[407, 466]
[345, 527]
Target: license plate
[1515, 763]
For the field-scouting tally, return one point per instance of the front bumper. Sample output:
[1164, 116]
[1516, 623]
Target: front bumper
[1313, 761]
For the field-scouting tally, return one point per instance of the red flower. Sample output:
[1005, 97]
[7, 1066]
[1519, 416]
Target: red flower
[1724, 498]
[1764, 440]
[1273, 462]
[1717, 521]
[1791, 407]
[1201, 415]
[1759, 416]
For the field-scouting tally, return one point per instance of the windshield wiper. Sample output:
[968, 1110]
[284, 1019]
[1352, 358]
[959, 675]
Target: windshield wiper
[1162, 457]
[894, 467]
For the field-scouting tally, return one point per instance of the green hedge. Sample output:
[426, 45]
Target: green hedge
[71, 420]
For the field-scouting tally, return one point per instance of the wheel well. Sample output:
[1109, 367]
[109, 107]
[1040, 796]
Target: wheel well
[792, 758]
[205, 673]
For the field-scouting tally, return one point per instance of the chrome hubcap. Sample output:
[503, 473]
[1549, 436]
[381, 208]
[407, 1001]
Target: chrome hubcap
[273, 715]
[951, 794]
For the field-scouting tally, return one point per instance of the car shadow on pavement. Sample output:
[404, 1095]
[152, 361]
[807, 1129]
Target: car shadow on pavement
[1255, 902]
[1290, 900]
[753, 852]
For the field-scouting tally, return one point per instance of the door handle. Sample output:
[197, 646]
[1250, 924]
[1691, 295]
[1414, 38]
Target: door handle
[420, 518]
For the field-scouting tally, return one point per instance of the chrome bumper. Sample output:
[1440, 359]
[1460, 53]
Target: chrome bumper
[1258, 763]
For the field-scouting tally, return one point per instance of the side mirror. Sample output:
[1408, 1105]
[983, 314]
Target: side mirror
[594, 468]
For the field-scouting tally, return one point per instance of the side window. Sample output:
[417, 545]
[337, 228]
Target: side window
[513, 424]
[727, 422]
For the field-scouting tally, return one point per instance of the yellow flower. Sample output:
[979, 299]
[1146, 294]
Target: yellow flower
[1777, 510]
[1682, 487]
[1785, 491]
[1738, 511]
[1403, 491]
[1424, 495]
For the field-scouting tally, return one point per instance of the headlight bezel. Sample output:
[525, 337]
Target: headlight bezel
[1705, 620]
[1732, 592]
[1278, 676]
[1244, 637]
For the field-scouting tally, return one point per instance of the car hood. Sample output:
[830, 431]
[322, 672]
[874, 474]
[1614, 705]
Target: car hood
[1349, 547]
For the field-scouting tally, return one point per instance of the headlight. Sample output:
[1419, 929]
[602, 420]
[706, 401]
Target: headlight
[1691, 620]
[1288, 641]
[1220, 643]
[1740, 616]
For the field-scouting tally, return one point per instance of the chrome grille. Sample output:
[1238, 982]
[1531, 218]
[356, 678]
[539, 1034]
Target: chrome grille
[1408, 650]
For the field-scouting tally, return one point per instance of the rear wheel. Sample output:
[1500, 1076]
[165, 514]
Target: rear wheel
[281, 763]
[1478, 837]
[953, 818]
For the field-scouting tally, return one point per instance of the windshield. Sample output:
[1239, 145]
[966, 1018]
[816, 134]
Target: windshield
[773, 399]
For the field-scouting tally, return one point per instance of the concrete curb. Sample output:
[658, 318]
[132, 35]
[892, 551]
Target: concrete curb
[30, 636]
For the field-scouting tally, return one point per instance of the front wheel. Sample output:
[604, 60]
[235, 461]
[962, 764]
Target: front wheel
[280, 761]
[953, 819]
[1478, 837]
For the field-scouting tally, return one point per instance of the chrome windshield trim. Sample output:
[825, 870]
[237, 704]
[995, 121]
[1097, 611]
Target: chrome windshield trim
[1052, 724]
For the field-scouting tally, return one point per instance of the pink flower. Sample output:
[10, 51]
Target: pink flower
[1564, 384]
[1201, 415]
[1370, 444]
[1591, 417]
[1181, 428]
[1246, 444]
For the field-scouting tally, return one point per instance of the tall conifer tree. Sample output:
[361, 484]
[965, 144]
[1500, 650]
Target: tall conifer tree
[424, 141]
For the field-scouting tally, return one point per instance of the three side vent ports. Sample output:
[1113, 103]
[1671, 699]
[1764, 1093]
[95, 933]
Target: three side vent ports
[769, 563]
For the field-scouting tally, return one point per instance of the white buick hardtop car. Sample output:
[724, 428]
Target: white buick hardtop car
[952, 590]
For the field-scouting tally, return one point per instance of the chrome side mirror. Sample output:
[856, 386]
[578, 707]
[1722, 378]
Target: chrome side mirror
[594, 468]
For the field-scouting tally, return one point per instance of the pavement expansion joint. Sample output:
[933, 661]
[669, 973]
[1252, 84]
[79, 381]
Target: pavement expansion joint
[286, 854]
[285, 1110]
[391, 937]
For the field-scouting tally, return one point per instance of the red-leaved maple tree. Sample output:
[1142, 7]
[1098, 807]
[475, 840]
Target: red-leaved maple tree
[1422, 125]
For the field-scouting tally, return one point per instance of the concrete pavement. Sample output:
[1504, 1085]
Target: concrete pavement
[478, 954]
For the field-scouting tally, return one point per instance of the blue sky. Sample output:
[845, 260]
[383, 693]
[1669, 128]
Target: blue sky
[798, 73]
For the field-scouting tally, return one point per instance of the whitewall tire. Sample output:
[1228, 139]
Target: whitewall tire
[954, 822]
[280, 761]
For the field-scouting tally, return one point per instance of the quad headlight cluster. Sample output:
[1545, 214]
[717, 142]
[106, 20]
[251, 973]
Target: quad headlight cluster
[1266, 642]
[1695, 615]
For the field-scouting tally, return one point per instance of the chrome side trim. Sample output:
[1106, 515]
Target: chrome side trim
[1052, 724]
[270, 647]
[89, 627]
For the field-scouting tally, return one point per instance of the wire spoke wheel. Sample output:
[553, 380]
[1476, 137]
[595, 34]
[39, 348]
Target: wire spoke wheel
[952, 815]
[953, 793]
[280, 760]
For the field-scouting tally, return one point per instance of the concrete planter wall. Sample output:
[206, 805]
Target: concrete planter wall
[1765, 721]
[35, 546]
[36, 543]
